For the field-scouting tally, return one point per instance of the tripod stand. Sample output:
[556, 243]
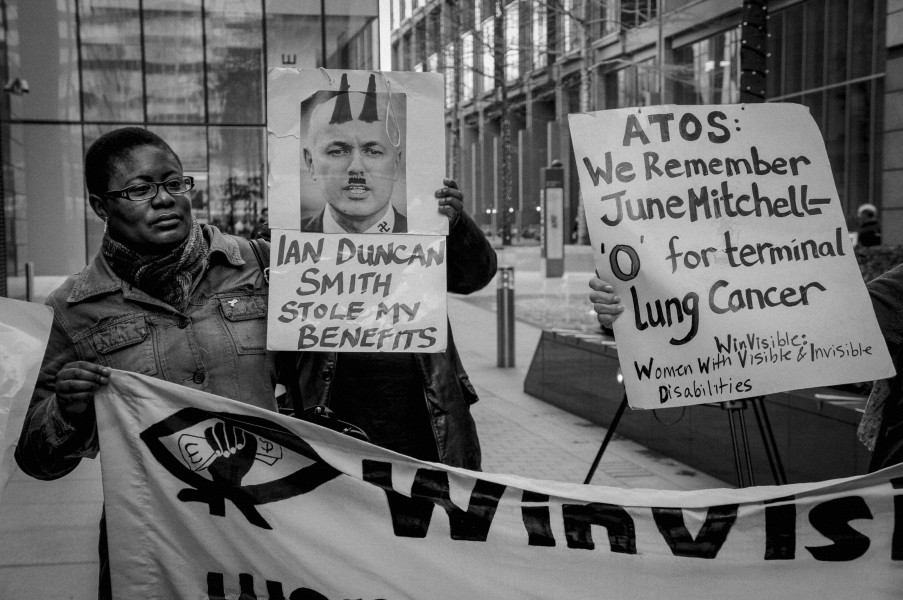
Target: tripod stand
[734, 408]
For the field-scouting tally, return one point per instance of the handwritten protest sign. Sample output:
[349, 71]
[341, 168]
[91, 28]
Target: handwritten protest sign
[24, 330]
[357, 293]
[721, 229]
[294, 510]
[358, 156]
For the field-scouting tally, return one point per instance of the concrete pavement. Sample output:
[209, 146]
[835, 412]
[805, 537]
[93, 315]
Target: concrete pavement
[48, 530]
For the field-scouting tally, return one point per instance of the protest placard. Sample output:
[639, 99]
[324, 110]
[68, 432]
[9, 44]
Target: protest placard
[24, 330]
[357, 292]
[356, 155]
[722, 231]
[210, 498]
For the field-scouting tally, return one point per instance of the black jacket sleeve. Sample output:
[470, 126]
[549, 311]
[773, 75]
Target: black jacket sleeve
[472, 262]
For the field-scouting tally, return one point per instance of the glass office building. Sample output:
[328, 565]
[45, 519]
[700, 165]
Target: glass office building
[193, 71]
[840, 58]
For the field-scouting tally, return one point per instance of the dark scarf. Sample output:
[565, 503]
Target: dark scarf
[165, 276]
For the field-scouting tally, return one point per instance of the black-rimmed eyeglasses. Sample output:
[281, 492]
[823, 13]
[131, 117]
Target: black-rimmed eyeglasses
[149, 190]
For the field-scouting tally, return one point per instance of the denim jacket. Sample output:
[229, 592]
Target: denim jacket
[217, 345]
[448, 392]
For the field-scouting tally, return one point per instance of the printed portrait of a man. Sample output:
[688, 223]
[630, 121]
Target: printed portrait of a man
[353, 160]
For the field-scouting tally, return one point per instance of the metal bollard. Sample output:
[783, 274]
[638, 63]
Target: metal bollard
[29, 281]
[505, 312]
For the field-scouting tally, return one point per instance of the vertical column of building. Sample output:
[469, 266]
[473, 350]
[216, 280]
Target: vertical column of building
[753, 51]
[892, 163]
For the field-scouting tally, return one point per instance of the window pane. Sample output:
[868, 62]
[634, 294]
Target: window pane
[835, 136]
[815, 45]
[838, 20]
[112, 86]
[540, 42]
[793, 50]
[486, 46]
[450, 83]
[512, 42]
[352, 34]
[42, 32]
[467, 71]
[862, 51]
[174, 60]
[47, 201]
[293, 34]
[711, 70]
[237, 177]
[235, 66]
[860, 101]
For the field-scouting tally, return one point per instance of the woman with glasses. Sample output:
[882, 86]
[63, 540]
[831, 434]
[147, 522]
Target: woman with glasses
[166, 297]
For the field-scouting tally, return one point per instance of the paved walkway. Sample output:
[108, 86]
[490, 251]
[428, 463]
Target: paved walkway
[48, 530]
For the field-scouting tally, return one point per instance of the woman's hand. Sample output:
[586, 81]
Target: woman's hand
[76, 384]
[605, 303]
[451, 200]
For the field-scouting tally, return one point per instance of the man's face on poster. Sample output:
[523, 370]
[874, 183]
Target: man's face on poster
[354, 163]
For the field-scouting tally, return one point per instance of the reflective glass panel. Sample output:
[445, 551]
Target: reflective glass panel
[174, 60]
[711, 70]
[834, 133]
[793, 49]
[41, 32]
[112, 84]
[48, 202]
[863, 50]
[839, 46]
[861, 160]
[814, 57]
[352, 35]
[235, 61]
[293, 33]
[237, 178]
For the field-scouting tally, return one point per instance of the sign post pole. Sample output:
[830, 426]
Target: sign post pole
[552, 181]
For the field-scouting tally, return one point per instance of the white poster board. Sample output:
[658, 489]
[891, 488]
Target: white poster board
[721, 230]
[345, 146]
[357, 293]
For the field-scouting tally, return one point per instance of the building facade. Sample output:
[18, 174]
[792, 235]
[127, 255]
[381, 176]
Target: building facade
[193, 71]
[539, 60]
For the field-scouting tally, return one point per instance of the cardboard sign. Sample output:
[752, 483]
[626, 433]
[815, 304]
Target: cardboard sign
[356, 155]
[357, 293]
[721, 229]
[209, 498]
[24, 331]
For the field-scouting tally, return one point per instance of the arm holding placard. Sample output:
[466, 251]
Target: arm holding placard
[472, 262]
[886, 293]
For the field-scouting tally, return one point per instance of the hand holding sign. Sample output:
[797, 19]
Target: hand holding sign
[76, 383]
[451, 201]
[606, 303]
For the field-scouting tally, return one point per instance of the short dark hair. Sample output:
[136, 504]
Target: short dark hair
[110, 149]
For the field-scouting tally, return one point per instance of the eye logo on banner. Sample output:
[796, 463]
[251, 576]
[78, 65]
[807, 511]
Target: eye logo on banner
[246, 460]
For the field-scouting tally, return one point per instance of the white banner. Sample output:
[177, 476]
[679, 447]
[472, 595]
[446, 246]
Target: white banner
[357, 293]
[24, 330]
[207, 498]
[722, 231]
